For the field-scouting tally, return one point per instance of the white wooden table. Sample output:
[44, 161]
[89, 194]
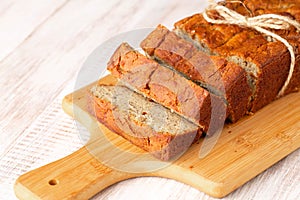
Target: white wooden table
[43, 45]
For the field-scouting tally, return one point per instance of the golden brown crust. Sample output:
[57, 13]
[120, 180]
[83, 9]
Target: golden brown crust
[289, 8]
[271, 58]
[164, 86]
[212, 35]
[225, 78]
[257, 7]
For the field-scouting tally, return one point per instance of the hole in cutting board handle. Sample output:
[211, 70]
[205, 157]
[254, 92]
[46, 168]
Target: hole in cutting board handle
[53, 182]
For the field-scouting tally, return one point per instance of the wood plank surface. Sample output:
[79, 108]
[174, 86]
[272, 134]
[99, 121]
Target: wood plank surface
[244, 150]
[36, 71]
[43, 47]
[19, 20]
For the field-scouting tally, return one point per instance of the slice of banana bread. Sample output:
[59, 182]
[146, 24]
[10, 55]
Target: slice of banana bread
[167, 87]
[144, 123]
[215, 73]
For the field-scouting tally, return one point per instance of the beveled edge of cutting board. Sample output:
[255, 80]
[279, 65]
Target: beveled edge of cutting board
[235, 139]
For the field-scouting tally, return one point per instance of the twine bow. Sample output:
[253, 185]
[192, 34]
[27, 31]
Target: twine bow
[259, 23]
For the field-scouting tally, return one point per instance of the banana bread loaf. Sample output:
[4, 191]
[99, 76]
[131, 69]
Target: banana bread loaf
[167, 87]
[167, 103]
[144, 123]
[212, 72]
[289, 8]
[266, 61]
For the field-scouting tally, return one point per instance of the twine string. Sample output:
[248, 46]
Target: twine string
[260, 23]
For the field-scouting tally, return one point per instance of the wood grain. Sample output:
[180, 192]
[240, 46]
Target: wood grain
[78, 176]
[243, 151]
[46, 43]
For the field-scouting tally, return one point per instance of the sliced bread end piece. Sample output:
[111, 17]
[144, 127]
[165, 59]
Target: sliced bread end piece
[144, 123]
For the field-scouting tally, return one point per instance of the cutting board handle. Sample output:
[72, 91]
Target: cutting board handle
[77, 176]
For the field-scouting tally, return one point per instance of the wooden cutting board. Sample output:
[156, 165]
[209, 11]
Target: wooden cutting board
[243, 150]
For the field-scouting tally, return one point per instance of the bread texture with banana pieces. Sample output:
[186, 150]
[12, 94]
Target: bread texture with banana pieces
[143, 122]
